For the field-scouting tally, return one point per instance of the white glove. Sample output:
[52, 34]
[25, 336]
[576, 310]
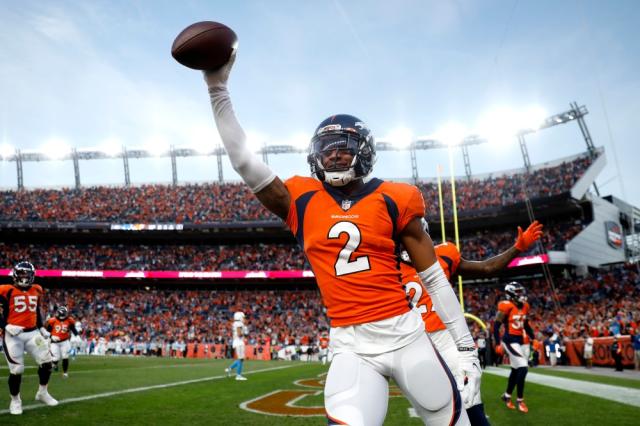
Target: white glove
[219, 77]
[471, 371]
[44, 332]
[55, 339]
[13, 330]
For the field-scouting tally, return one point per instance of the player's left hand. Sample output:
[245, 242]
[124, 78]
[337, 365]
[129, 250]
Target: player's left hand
[470, 366]
[527, 238]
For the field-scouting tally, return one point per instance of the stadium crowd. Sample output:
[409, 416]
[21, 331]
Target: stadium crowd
[601, 304]
[206, 203]
[193, 257]
[192, 316]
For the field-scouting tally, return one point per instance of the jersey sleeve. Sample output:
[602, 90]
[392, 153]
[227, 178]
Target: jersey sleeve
[298, 186]
[449, 258]
[413, 207]
[504, 307]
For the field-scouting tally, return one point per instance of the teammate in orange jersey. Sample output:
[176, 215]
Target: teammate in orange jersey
[323, 343]
[513, 313]
[23, 332]
[348, 226]
[61, 326]
[453, 264]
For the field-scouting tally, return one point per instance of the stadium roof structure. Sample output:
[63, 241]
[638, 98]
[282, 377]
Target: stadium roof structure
[576, 112]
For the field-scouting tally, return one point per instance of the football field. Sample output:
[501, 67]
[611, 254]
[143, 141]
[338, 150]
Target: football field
[144, 391]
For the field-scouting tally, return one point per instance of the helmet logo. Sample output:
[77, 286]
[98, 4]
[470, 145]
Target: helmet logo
[329, 128]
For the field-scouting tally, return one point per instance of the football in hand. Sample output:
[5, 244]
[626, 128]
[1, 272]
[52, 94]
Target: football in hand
[204, 45]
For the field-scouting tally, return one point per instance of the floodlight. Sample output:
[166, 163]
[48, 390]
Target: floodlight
[203, 139]
[452, 133]
[111, 147]
[55, 149]
[156, 146]
[531, 118]
[6, 151]
[401, 137]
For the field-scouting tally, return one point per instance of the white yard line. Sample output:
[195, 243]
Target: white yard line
[145, 388]
[629, 396]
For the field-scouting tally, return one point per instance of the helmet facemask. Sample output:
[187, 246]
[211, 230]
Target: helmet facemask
[62, 313]
[351, 136]
[23, 274]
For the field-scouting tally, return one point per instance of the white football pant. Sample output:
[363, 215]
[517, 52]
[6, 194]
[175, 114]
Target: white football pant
[357, 390]
[60, 350]
[31, 342]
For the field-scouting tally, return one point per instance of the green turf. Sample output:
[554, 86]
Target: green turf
[216, 401]
[616, 381]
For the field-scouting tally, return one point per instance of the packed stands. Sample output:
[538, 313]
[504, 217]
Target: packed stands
[230, 202]
[204, 257]
[602, 304]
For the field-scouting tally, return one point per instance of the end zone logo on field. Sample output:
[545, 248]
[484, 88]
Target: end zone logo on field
[284, 402]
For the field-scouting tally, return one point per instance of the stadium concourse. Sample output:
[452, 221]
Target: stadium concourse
[222, 227]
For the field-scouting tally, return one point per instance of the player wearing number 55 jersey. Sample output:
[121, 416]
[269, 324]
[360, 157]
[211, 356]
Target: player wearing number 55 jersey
[23, 332]
[349, 226]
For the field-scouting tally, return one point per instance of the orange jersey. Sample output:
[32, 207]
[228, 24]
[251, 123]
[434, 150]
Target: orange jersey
[449, 258]
[514, 316]
[20, 306]
[60, 328]
[350, 242]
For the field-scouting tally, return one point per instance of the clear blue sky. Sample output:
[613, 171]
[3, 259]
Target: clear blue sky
[88, 71]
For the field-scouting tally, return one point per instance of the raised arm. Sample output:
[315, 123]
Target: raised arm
[270, 190]
[489, 267]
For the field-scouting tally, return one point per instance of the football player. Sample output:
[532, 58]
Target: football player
[238, 332]
[513, 313]
[323, 344]
[61, 326]
[24, 332]
[348, 225]
[454, 264]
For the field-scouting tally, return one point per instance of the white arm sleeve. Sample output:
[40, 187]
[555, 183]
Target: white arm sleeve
[446, 304]
[253, 171]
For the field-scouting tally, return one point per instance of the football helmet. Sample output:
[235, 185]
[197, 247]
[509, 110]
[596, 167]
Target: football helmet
[238, 316]
[62, 312]
[404, 256]
[342, 132]
[515, 292]
[23, 274]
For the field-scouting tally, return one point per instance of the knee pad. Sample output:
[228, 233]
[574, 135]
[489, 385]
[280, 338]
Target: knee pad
[16, 368]
[47, 366]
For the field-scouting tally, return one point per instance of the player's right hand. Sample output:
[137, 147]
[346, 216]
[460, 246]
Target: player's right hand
[55, 339]
[527, 238]
[219, 77]
[13, 330]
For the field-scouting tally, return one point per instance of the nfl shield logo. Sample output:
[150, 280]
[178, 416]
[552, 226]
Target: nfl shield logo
[346, 205]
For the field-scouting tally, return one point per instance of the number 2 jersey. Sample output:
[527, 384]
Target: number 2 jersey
[20, 306]
[449, 259]
[350, 242]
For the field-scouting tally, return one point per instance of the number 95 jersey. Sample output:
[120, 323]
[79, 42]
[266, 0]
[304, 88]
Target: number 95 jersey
[350, 242]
